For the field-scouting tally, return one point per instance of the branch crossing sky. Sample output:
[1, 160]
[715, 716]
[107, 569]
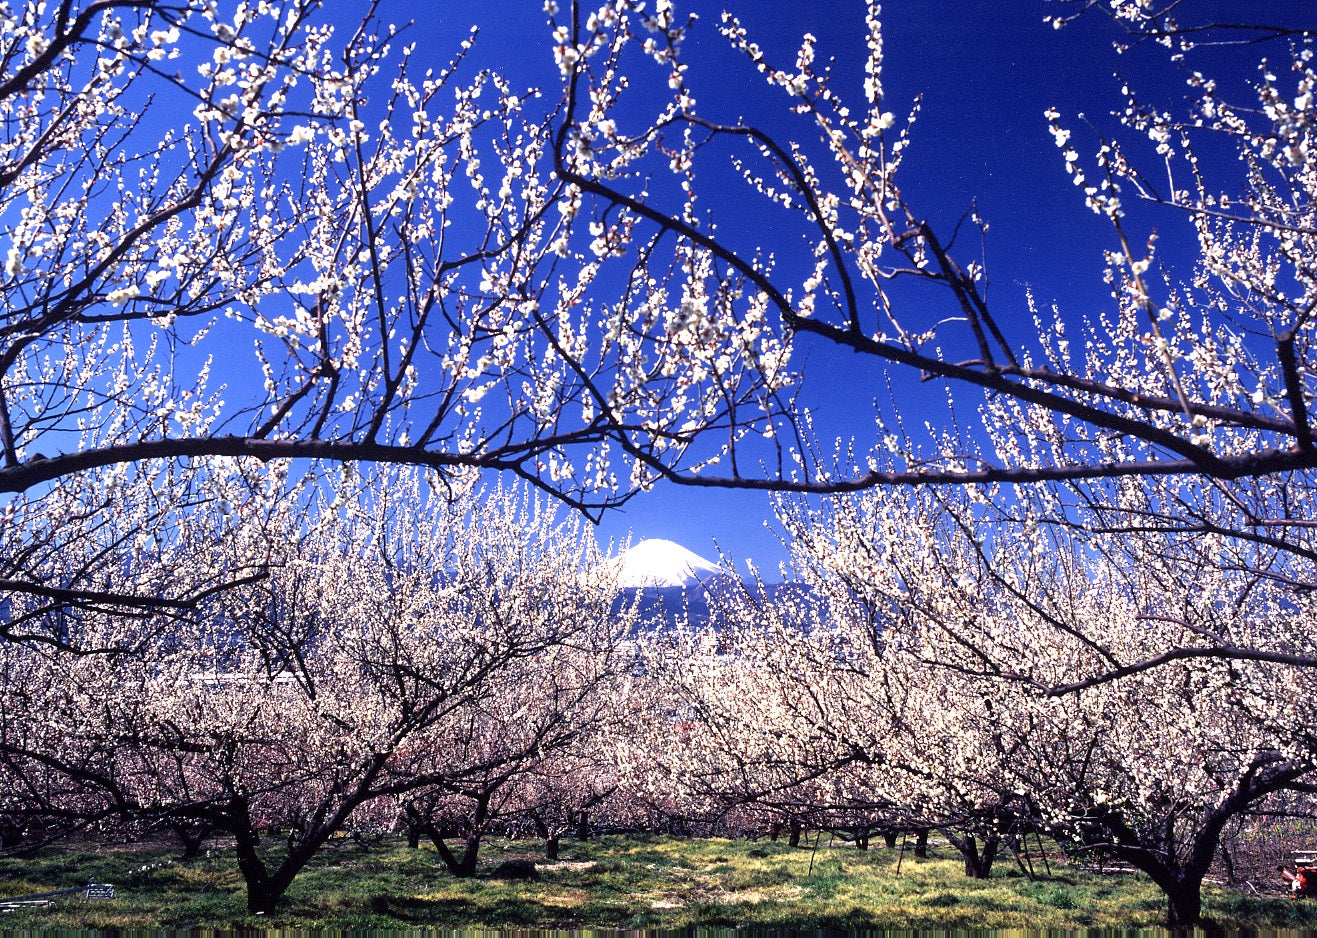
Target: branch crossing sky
[986, 72]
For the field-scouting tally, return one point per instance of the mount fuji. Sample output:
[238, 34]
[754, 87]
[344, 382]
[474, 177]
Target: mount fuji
[671, 586]
[661, 564]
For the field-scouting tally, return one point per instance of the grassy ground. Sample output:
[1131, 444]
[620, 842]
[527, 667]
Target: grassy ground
[611, 882]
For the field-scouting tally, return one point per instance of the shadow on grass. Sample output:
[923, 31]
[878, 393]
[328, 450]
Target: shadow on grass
[659, 885]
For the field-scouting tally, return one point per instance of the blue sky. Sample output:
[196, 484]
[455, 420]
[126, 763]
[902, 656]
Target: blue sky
[986, 71]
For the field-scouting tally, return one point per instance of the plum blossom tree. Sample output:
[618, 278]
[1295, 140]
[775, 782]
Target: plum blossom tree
[489, 283]
[814, 708]
[540, 709]
[382, 634]
[1149, 767]
[1171, 761]
[377, 250]
[434, 271]
[97, 546]
[568, 788]
[1210, 376]
[1197, 380]
[129, 539]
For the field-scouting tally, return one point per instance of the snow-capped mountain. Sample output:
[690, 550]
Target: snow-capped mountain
[657, 563]
[669, 586]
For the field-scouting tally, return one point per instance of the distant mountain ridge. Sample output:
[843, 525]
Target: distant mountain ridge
[660, 563]
[673, 586]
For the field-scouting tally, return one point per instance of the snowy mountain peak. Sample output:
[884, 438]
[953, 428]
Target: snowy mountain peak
[660, 563]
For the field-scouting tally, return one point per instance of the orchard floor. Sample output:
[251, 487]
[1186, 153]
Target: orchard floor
[619, 883]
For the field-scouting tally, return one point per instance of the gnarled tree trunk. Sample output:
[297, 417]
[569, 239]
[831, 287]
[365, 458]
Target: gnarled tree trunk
[265, 887]
[463, 867]
[979, 856]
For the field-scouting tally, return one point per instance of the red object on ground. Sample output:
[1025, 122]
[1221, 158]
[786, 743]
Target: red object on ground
[1303, 881]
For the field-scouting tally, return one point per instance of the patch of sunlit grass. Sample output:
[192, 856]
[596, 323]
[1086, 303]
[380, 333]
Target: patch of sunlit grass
[611, 882]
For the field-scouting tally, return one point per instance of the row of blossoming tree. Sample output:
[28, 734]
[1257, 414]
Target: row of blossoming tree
[423, 653]
[337, 253]
[953, 668]
[457, 665]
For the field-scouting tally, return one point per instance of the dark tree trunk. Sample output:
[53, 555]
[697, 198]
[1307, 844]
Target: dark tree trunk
[1183, 883]
[583, 825]
[550, 839]
[796, 830]
[889, 839]
[775, 831]
[1184, 899]
[1228, 862]
[1184, 908]
[414, 824]
[465, 866]
[921, 844]
[1181, 880]
[253, 871]
[983, 866]
[978, 858]
[264, 888]
[192, 837]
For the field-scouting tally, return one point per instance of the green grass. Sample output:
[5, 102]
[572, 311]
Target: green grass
[612, 882]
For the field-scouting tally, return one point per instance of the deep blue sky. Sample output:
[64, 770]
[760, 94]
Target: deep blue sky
[987, 70]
